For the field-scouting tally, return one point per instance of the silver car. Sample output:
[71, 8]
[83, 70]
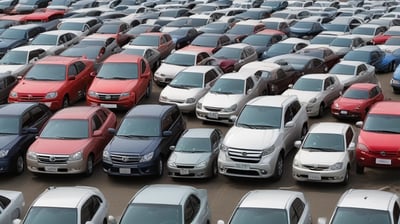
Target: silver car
[11, 205]
[195, 155]
[271, 206]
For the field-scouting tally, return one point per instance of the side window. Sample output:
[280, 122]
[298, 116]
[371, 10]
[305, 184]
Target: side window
[96, 123]
[72, 71]
[349, 136]
[373, 92]
[143, 66]
[208, 77]
[396, 212]
[167, 122]
[295, 107]
[102, 115]
[288, 115]
[296, 210]
[37, 113]
[191, 209]
[2, 84]
[327, 83]
[86, 214]
[26, 120]
[280, 74]
[80, 66]
[249, 84]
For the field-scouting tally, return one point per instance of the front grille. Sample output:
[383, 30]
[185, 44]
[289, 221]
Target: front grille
[29, 97]
[52, 159]
[216, 109]
[383, 153]
[108, 97]
[245, 155]
[125, 159]
[184, 166]
[243, 172]
[316, 167]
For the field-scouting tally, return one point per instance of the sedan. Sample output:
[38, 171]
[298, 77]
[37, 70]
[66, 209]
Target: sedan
[209, 42]
[393, 31]
[55, 41]
[183, 36]
[195, 154]
[287, 46]
[264, 39]
[152, 55]
[316, 91]
[324, 53]
[11, 205]
[301, 63]
[356, 101]
[326, 154]
[346, 43]
[307, 29]
[395, 81]
[79, 134]
[161, 41]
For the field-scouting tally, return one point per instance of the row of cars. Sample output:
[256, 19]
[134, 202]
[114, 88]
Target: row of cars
[176, 204]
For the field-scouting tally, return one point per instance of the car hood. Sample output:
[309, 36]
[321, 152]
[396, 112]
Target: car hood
[221, 100]
[7, 139]
[299, 30]
[45, 47]
[380, 141]
[10, 68]
[180, 93]
[134, 145]
[303, 96]
[58, 146]
[258, 138]
[112, 85]
[169, 70]
[349, 103]
[29, 86]
[344, 78]
[340, 50]
[189, 158]
[4, 43]
[319, 158]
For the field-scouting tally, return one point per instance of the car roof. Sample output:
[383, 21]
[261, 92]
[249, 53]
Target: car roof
[320, 76]
[149, 110]
[260, 65]
[15, 108]
[162, 194]
[329, 127]
[24, 27]
[120, 57]
[367, 198]
[236, 75]
[352, 63]
[368, 48]
[199, 68]
[272, 101]
[386, 107]
[237, 45]
[27, 48]
[76, 112]
[79, 19]
[57, 32]
[198, 132]
[364, 86]
[52, 59]
[277, 199]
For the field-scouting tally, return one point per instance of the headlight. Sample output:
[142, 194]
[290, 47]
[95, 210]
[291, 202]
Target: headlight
[163, 98]
[125, 94]
[93, 94]
[13, 94]
[171, 161]
[199, 105]
[296, 163]
[106, 156]
[76, 156]
[362, 147]
[147, 157]
[223, 148]
[3, 153]
[336, 166]
[51, 95]
[268, 151]
[190, 100]
[201, 164]
[31, 155]
[230, 109]
[313, 100]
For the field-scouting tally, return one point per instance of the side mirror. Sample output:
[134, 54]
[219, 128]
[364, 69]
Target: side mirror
[93, 74]
[97, 133]
[233, 118]
[290, 86]
[322, 220]
[297, 144]
[16, 221]
[359, 124]
[111, 220]
[166, 133]
[172, 148]
[112, 131]
[220, 222]
[289, 124]
[352, 146]
[249, 91]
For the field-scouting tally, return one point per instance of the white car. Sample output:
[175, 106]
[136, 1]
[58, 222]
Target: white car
[272, 206]
[11, 205]
[270, 125]
[326, 154]
[84, 26]
[228, 96]
[350, 72]
[189, 86]
[343, 44]
[176, 62]
[368, 31]
[69, 205]
[56, 41]
[316, 91]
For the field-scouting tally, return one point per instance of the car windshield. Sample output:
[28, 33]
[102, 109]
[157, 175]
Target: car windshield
[363, 31]
[271, 25]
[71, 26]
[28, 2]
[46, 72]
[179, 32]
[322, 40]
[134, 51]
[342, 69]
[181, 59]
[152, 214]
[139, 29]
[341, 42]
[259, 216]
[92, 42]
[187, 80]
[337, 27]
[66, 129]
[357, 56]
[356, 94]
[121, 71]
[45, 39]
[307, 84]
[205, 41]
[344, 215]
[392, 33]
[228, 86]
[14, 58]
[261, 117]
[9, 125]
[40, 215]
[145, 40]
[228, 53]
[140, 127]
[324, 142]
[90, 52]
[393, 41]
[257, 40]
[280, 48]
[215, 27]
[314, 53]
[15, 34]
[303, 25]
[6, 23]
[384, 123]
[187, 144]
[108, 29]
[241, 29]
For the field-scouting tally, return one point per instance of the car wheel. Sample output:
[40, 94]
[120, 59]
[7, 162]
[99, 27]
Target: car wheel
[304, 131]
[65, 102]
[89, 166]
[278, 168]
[19, 164]
[157, 64]
[214, 170]
[160, 171]
[359, 169]
[346, 177]
[321, 110]
[391, 67]
[148, 90]
[396, 90]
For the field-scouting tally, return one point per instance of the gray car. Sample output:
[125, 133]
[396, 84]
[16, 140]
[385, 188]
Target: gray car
[195, 155]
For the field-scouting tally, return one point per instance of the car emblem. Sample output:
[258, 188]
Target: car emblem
[125, 159]
[52, 158]
[383, 153]
[30, 96]
[244, 153]
[108, 97]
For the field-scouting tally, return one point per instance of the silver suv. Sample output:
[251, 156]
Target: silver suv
[262, 135]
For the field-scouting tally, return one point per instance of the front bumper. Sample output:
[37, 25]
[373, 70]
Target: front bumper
[137, 169]
[328, 176]
[70, 167]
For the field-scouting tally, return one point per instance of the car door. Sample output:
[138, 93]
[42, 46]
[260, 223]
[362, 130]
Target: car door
[193, 211]
[142, 81]
[77, 82]
[92, 210]
[331, 90]
[282, 81]
[292, 132]
[351, 140]
[98, 135]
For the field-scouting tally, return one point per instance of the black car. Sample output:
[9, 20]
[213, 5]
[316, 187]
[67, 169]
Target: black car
[19, 125]
[183, 36]
[141, 143]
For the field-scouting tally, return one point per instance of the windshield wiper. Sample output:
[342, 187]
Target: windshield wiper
[245, 125]
[222, 92]
[179, 86]
[118, 77]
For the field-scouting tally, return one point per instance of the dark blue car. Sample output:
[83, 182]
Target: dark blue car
[141, 143]
[19, 125]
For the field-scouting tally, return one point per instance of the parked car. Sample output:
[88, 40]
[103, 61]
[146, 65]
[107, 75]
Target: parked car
[159, 203]
[287, 46]
[7, 83]
[324, 53]
[368, 31]
[68, 204]
[306, 29]
[264, 39]
[326, 154]
[378, 139]
[393, 31]
[11, 205]
[79, 133]
[152, 55]
[84, 25]
[356, 101]
[141, 144]
[161, 41]
[391, 45]
[55, 81]
[270, 125]
[346, 43]
[244, 28]
[183, 36]
[122, 81]
[29, 6]
[301, 63]
[365, 205]
[115, 29]
[189, 86]
[55, 41]
[316, 91]
[274, 206]
[195, 154]
[19, 125]
[209, 42]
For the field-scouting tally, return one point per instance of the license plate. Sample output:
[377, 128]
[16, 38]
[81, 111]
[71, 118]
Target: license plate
[184, 171]
[383, 161]
[343, 112]
[243, 166]
[106, 105]
[125, 170]
[213, 115]
[50, 169]
[314, 176]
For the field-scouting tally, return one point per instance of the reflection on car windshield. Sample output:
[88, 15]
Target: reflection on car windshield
[66, 129]
[358, 56]
[139, 127]
[146, 40]
[342, 69]
[152, 214]
[187, 144]
[47, 72]
[187, 80]
[324, 142]
[356, 94]
[9, 125]
[262, 117]
[14, 58]
[345, 215]
[45, 39]
[305, 84]
[118, 71]
[228, 53]
[181, 59]
[40, 215]
[228, 86]
[259, 216]
[382, 123]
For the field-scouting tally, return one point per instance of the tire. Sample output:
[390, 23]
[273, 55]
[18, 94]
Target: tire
[214, 170]
[19, 166]
[156, 65]
[304, 131]
[160, 170]
[321, 110]
[359, 169]
[148, 90]
[65, 102]
[347, 177]
[278, 172]
[391, 67]
[89, 166]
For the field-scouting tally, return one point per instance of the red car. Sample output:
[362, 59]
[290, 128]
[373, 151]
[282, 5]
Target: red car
[356, 101]
[56, 81]
[116, 30]
[122, 81]
[72, 141]
[379, 138]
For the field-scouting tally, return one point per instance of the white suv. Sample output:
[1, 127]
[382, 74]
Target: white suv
[262, 135]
